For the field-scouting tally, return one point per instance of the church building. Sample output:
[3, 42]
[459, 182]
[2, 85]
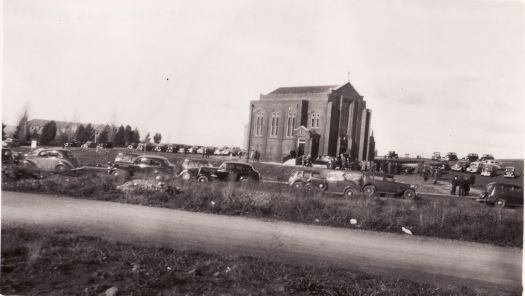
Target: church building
[310, 120]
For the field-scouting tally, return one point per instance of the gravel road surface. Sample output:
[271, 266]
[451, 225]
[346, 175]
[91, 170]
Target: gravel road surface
[417, 258]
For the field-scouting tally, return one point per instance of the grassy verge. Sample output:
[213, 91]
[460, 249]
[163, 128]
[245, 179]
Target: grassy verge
[450, 218]
[61, 263]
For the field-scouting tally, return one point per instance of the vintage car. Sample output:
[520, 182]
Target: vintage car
[492, 162]
[385, 184]
[475, 167]
[502, 194]
[190, 168]
[134, 166]
[347, 183]
[325, 161]
[460, 166]
[229, 171]
[299, 179]
[11, 157]
[161, 148]
[489, 171]
[486, 157]
[436, 156]
[51, 159]
[472, 157]
[451, 156]
[510, 172]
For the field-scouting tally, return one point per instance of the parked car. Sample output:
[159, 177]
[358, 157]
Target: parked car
[489, 171]
[89, 144]
[460, 166]
[229, 171]
[105, 145]
[502, 194]
[347, 183]
[486, 157]
[11, 157]
[436, 156]
[325, 161]
[10, 142]
[451, 156]
[299, 179]
[72, 144]
[51, 159]
[160, 148]
[475, 167]
[385, 184]
[128, 165]
[491, 162]
[472, 157]
[190, 168]
[392, 155]
[510, 172]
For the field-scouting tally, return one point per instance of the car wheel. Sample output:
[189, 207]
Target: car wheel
[119, 176]
[298, 185]
[409, 194]
[500, 203]
[350, 192]
[60, 168]
[369, 190]
[322, 186]
[202, 179]
[186, 176]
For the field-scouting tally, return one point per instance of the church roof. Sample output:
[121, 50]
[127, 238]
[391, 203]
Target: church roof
[303, 89]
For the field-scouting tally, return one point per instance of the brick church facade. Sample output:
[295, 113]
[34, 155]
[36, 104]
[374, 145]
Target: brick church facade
[311, 120]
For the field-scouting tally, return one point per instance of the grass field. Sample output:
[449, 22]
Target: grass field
[451, 218]
[54, 262]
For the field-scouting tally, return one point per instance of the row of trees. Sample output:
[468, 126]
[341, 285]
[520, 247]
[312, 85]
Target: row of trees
[121, 136]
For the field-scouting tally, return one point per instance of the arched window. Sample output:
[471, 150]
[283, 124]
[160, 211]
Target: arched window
[259, 123]
[290, 123]
[314, 120]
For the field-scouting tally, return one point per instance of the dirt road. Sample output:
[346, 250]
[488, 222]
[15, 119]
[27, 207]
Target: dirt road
[417, 258]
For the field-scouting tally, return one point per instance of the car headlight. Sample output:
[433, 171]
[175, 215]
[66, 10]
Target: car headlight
[413, 186]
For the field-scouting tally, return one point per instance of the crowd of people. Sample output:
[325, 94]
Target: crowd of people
[462, 184]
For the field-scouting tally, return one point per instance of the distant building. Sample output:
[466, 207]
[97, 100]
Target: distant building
[36, 126]
[310, 120]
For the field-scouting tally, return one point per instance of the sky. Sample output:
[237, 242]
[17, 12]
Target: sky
[437, 75]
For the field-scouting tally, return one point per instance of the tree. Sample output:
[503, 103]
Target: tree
[22, 129]
[128, 135]
[156, 138]
[147, 138]
[136, 136]
[3, 131]
[103, 137]
[49, 132]
[62, 138]
[80, 133]
[89, 133]
[120, 137]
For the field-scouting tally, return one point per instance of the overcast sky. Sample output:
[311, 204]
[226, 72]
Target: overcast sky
[438, 75]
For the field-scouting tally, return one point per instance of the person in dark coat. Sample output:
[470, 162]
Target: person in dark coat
[467, 185]
[472, 179]
[461, 185]
[455, 183]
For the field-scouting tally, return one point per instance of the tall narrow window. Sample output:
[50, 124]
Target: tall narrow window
[317, 120]
[289, 126]
[276, 123]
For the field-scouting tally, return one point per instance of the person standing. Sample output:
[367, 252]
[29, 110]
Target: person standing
[467, 185]
[454, 182]
[472, 179]
[461, 185]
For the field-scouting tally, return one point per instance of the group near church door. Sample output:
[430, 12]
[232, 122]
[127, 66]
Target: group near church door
[300, 147]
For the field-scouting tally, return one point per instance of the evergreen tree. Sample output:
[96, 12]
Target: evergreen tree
[49, 132]
[3, 131]
[80, 133]
[136, 136]
[22, 130]
[128, 135]
[89, 133]
[62, 138]
[120, 139]
[156, 138]
[103, 137]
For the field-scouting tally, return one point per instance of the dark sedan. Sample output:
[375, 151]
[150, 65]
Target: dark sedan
[385, 184]
[141, 166]
[229, 171]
